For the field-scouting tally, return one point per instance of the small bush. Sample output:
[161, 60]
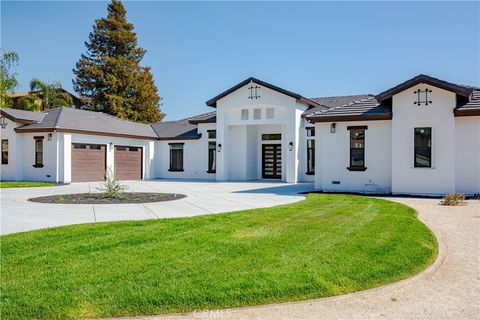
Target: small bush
[453, 199]
[112, 188]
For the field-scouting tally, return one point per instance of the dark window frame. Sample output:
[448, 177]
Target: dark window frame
[310, 157]
[310, 131]
[38, 153]
[212, 134]
[356, 151]
[212, 157]
[176, 157]
[271, 136]
[423, 148]
[4, 152]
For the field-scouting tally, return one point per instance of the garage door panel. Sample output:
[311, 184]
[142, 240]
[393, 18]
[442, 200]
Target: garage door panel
[128, 162]
[88, 162]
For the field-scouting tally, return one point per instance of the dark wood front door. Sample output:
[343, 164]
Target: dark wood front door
[271, 161]
[128, 163]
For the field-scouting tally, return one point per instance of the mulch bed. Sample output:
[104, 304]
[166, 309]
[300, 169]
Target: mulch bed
[98, 198]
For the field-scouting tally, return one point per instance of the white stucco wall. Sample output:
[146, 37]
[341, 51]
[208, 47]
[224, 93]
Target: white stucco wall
[333, 157]
[467, 155]
[440, 178]
[49, 171]
[239, 148]
[195, 157]
[11, 170]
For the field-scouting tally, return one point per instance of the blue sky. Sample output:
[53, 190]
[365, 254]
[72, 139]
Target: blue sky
[199, 49]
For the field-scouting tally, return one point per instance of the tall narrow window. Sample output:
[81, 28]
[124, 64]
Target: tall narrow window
[38, 152]
[176, 157]
[212, 157]
[310, 131]
[423, 147]
[310, 156]
[357, 148]
[212, 134]
[4, 151]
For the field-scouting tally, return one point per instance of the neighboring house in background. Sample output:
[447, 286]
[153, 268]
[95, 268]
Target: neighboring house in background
[420, 137]
[17, 96]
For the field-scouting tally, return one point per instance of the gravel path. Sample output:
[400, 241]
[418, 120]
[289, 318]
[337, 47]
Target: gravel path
[449, 289]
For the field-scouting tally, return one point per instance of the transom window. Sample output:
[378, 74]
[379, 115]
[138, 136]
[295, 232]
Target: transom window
[4, 151]
[272, 136]
[176, 157]
[244, 114]
[270, 113]
[423, 148]
[212, 134]
[257, 114]
[310, 132]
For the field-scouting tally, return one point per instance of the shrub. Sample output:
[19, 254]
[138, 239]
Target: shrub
[453, 199]
[111, 187]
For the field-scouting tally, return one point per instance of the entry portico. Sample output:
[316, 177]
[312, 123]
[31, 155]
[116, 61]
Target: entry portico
[258, 132]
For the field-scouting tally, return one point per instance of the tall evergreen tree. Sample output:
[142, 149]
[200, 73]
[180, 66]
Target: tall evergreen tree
[109, 77]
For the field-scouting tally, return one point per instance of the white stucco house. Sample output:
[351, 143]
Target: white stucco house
[419, 137]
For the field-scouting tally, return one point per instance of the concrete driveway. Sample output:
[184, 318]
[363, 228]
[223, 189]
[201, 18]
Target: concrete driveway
[18, 214]
[449, 289]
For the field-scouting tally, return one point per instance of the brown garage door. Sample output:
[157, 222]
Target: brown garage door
[88, 162]
[128, 163]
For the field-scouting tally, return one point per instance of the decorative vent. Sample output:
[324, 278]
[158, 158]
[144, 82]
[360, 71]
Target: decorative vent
[254, 92]
[422, 97]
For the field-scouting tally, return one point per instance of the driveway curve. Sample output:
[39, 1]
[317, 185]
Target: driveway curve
[448, 289]
[18, 214]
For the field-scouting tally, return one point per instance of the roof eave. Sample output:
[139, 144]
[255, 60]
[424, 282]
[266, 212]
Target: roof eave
[97, 133]
[347, 118]
[466, 112]
[17, 120]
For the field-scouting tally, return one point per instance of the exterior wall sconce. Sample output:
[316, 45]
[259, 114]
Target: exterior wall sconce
[219, 147]
[111, 144]
[3, 124]
[290, 146]
[49, 137]
[332, 127]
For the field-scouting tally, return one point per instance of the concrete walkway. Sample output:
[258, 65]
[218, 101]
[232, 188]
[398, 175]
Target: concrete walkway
[18, 214]
[449, 289]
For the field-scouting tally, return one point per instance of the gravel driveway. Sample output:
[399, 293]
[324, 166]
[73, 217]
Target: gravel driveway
[449, 289]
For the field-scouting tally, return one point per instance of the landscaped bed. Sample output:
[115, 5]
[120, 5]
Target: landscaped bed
[24, 184]
[100, 198]
[326, 245]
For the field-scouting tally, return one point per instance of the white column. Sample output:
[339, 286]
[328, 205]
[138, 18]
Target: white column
[66, 152]
[292, 138]
[222, 137]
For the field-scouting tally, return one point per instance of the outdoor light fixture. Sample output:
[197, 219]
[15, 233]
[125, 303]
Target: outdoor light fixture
[111, 144]
[3, 124]
[49, 137]
[290, 146]
[332, 127]
[219, 147]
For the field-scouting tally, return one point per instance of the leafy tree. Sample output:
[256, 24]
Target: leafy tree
[109, 77]
[45, 96]
[8, 80]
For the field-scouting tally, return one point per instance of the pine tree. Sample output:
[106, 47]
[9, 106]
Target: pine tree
[109, 77]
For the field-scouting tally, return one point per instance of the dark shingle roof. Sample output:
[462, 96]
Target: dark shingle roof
[210, 117]
[74, 120]
[22, 116]
[213, 102]
[364, 109]
[334, 102]
[472, 107]
[176, 130]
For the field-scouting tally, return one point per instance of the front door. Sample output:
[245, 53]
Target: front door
[271, 161]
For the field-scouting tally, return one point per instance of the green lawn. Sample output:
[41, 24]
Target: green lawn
[326, 245]
[23, 184]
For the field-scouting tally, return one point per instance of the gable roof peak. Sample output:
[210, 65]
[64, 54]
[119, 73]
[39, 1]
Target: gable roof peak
[461, 90]
[213, 102]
